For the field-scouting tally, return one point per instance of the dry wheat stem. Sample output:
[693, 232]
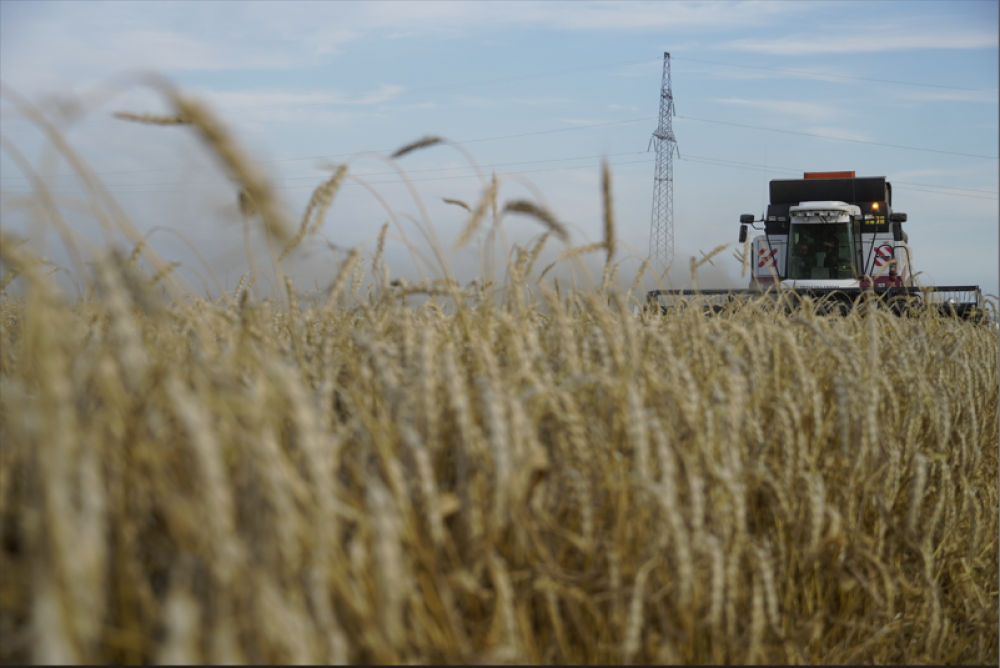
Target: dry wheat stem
[515, 471]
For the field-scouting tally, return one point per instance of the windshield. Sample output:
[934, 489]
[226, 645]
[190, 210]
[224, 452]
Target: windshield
[818, 251]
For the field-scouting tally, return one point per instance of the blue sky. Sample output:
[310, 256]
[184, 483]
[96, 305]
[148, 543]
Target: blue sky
[543, 89]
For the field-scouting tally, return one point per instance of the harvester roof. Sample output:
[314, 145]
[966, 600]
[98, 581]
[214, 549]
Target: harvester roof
[850, 190]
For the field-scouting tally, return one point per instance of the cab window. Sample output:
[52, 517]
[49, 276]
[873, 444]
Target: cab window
[820, 251]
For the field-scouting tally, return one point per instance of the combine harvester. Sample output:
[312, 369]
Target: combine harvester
[834, 238]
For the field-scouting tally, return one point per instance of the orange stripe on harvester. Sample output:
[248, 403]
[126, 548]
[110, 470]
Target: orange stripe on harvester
[766, 258]
[882, 256]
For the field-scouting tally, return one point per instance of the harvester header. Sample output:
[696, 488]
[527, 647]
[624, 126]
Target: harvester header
[835, 235]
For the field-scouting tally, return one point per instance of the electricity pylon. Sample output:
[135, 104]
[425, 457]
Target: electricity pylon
[661, 231]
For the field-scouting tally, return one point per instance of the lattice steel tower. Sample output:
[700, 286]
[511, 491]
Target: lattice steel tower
[661, 231]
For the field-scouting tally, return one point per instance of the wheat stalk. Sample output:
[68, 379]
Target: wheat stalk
[423, 142]
[153, 119]
[609, 213]
[504, 472]
[540, 214]
[488, 199]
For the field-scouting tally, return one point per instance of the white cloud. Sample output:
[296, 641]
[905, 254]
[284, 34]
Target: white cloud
[647, 15]
[941, 95]
[300, 116]
[916, 174]
[736, 73]
[80, 43]
[541, 101]
[970, 177]
[84, 42]
[838, 133]
[808, 110]
[583, 121]
[260, 100]
[871, 39]
[411, 18]
[477, 101]
[402, 107]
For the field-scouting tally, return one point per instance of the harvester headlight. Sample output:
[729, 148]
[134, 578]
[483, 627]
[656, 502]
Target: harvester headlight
[874, 206]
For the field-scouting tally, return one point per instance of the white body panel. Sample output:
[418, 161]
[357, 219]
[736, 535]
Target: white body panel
[820, 283]
[886, 261]
[769, 259]
[826, 209]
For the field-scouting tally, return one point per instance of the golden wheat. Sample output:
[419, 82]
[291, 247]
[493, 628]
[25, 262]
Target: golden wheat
[543, 477]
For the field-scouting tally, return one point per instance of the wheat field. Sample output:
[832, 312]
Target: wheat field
[510, 473]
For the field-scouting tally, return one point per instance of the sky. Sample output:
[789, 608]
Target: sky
[537, 92]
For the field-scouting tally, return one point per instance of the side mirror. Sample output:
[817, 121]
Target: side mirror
[897, 230]
[743, 233]
[897, 218]
[746, 218]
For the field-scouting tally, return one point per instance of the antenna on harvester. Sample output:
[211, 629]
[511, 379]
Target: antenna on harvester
[661, 232]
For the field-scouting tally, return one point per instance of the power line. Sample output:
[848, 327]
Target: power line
[771, 168]
[545, 132]
[839, 76]
[937, 192]
[296, 187]
[538, 75]
[856, 141]
[467, 84]
[718, 162]
[927, 185]
[314, 177]
[541, 132]
[338, 155]
[422, 89]
[755, 167]
[581, 69]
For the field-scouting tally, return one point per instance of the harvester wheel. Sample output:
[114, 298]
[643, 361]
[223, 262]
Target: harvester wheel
[833, 307]
[904, 304]
[869, 304]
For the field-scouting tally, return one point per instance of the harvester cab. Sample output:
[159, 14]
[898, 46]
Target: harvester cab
[830, 230]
